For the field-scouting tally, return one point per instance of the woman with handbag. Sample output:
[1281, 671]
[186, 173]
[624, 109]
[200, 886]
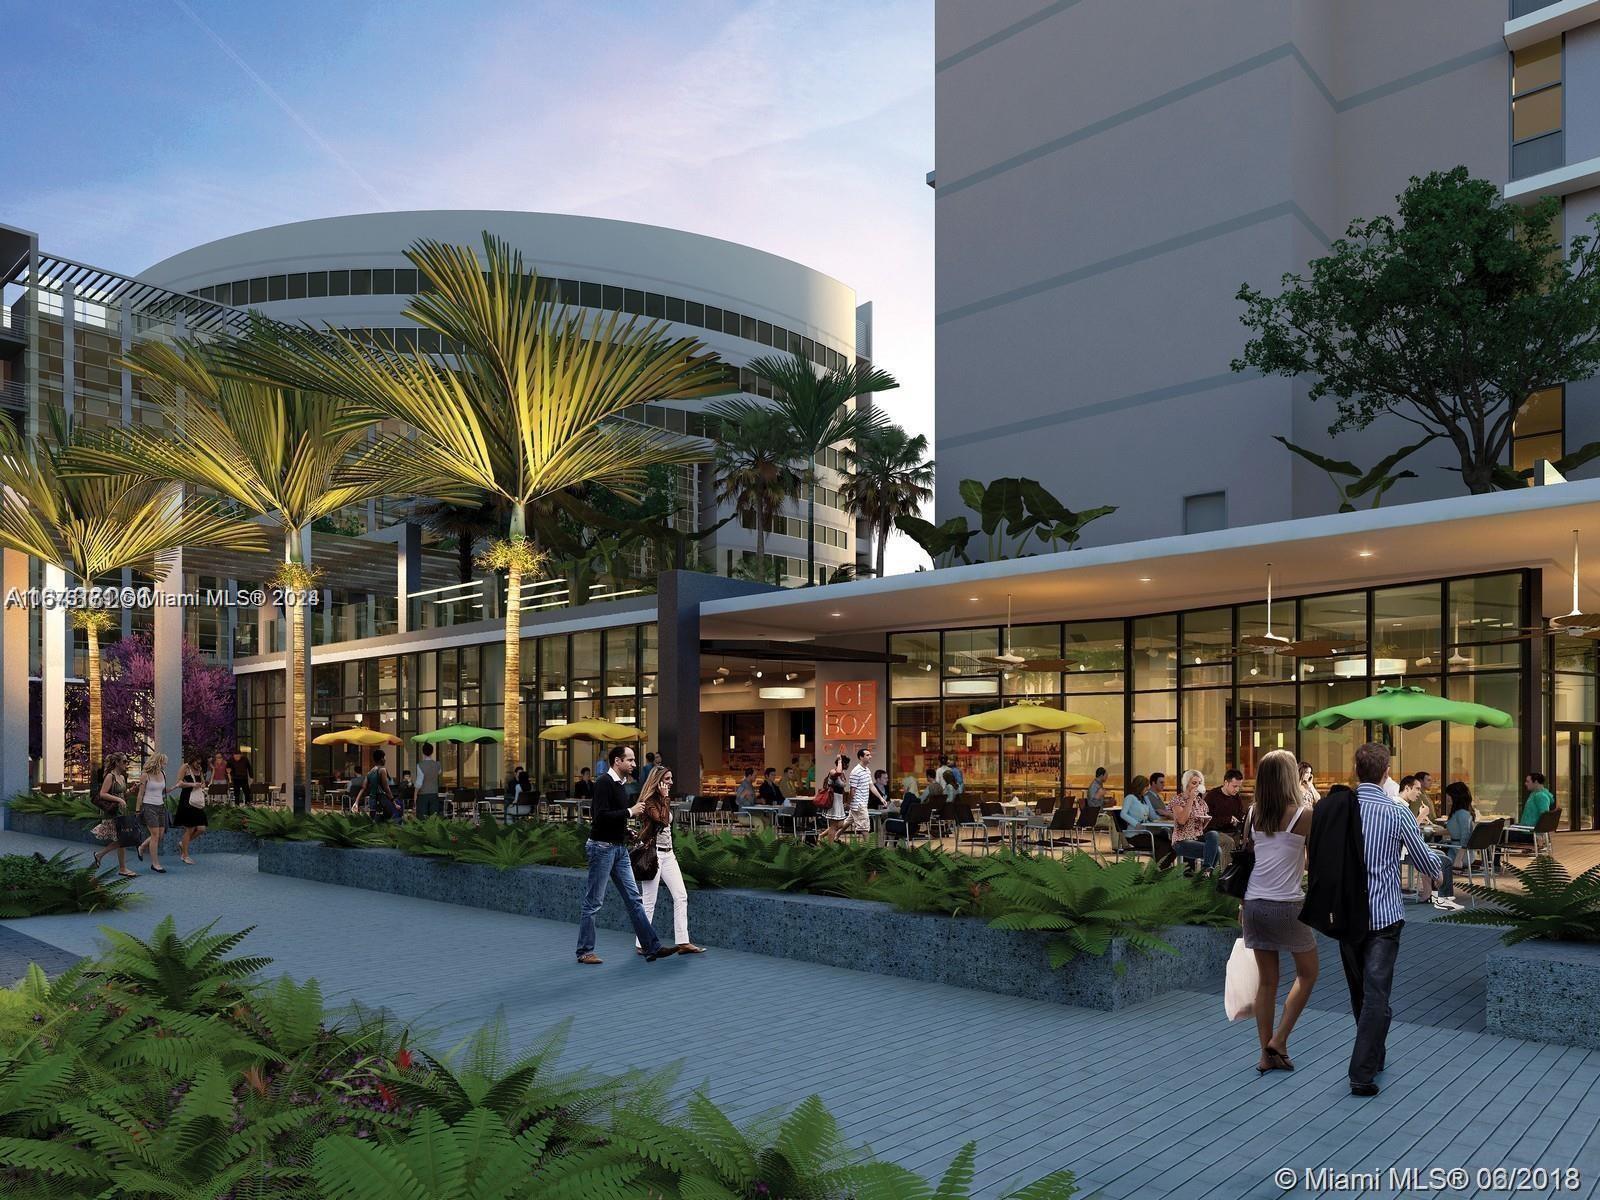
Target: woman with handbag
[1276, 830]
[152, 789]
[656, 837]
[191, 814]
[833, 792]
[108, 798]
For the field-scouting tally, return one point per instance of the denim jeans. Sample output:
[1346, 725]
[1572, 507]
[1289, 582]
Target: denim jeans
[609, 860]
[1369, 971]
[1207, 849]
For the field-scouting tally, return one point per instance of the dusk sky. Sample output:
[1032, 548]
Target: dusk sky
[801, 128]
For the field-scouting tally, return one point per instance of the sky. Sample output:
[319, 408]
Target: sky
[800, 127]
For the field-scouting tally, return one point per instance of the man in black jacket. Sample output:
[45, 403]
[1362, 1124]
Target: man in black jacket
[607, 849]
[1336, 868]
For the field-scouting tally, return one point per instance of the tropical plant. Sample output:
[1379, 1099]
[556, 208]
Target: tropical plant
[271, 822]
[1448, 316]
[339, 830]
[921, 880]
[757, 468]
[1551, 905]
[890, 476]
[1010, 511]
[32, 885]
[183, 972]
[816, 407]
[465, 525]
[74, 806]
[945, 543]
[528, 404]
[1088, 904]
[1377, 481]
[92, 527]
[295, 456]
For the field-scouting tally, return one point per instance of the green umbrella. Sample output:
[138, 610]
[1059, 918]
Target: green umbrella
[462, 733]
[1406, 708]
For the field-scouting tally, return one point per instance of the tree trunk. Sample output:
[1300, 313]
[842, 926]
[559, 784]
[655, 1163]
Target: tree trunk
[883, 543]
[761, 545]
[811, 530]
[93, 681]
[464, 559]
[511, 691]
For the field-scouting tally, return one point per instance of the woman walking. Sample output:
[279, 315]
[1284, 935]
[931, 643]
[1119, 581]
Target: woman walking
[191, 814]
[1278, 824]
[656, 796]
[375, 791]
[152, 788]
[834, 785]
[111, 799]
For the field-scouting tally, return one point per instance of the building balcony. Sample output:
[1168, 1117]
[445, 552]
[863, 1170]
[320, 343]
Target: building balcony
[1535, 20]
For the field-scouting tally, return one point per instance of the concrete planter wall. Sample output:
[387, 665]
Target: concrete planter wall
[845, 933]
[214, 841]
[1544, 992]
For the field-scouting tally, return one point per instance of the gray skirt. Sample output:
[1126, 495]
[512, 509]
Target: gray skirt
[154, 816]
[1275, 925]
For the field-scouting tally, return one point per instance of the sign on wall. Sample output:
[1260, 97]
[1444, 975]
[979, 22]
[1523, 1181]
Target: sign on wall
[850, 711]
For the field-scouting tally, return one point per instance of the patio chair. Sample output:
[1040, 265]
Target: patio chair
[970, 830]
[1542, 832]
[1154, 844]
[1051, 832]
[260, 793]
[48, 789]
[939, 817]
[1484, 842]
[702, 811]
[218, 794]
[904, 828]
[1045, 807]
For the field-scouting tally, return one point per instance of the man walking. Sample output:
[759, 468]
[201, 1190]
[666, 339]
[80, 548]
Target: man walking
[240, 775]
[1368, 958]
[427, 783]
[861, 790]
[607, 850]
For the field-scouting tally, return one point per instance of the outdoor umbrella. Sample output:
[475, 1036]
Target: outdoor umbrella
[591, 729]
[1029, 718]
[358, 736]
[1406, 708]
[474, 734]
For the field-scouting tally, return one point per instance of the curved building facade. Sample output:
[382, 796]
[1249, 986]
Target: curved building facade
[351, 272]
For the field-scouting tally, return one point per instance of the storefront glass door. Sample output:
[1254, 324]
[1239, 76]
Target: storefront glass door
[1574, 785]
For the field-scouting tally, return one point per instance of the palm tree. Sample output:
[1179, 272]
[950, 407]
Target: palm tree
[465, 524]
[90, 527]
[528, 405]
[890, 476]
[816, 407]
[756, 470]
[295, 456]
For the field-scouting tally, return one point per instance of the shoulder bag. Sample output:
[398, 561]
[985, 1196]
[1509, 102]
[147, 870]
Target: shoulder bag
[642, 854]
[1235, 881]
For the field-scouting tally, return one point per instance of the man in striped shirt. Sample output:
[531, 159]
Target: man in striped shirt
[1386, 829]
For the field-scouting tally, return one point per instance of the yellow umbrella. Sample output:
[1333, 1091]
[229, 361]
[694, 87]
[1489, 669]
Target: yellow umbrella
[359, 736]
[591, 729]
[1029, 718]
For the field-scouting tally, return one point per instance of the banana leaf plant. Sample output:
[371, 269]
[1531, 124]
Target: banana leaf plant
[945, 544]
[1375, 482]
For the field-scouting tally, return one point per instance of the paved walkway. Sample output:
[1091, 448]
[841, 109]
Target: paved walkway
[1158, 1101]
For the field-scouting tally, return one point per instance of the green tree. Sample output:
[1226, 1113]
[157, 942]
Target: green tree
[465, 524]
[1448, 317]
[816, 405]
[757, 469]
[530, 401]
[891, 476]
[90, 526]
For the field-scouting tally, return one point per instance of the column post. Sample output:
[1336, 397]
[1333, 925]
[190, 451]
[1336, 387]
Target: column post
[167, 653]
[15, 774]
[53, 683]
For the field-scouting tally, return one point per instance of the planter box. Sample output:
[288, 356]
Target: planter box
[1544, 992]
[215, 841]
[860, 935]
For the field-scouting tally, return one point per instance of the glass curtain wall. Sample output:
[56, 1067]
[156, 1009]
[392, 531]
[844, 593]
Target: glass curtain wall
[1181, 690]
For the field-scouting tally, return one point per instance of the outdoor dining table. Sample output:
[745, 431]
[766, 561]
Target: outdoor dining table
[571, 804]
[761, 813]
[1011, 827]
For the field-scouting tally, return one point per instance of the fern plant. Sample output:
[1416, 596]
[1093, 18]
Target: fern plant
[1552, 905]
[340, 831]
[184, 973]
[74, 806]
[927, 881]
[270, 823]
[32, 885]
[430, 837]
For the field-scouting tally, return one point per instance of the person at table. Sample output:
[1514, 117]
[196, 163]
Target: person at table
[520, 794]
[1462, 820]
[1539, 802]
[405, 795]
[935, 789]
[745, 793]
[1190, 815]
[1445, 901]
[1226, 802]
[1269, 918]
[954, 781]
[1094, 801]
[427, 783]
[1416, 799]
[1152, 796]
[880, 789]
[908, 787]
[353, 782]
[583, 788]
[607, 852]
[1136, 817]
[1425, 787]
[770, 792]
[656, 796]
[786, 783]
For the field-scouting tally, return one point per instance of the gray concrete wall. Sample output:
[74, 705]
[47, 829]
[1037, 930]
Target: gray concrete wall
[1108, 175]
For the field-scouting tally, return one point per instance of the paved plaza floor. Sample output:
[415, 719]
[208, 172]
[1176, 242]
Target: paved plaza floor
[1161, 1100]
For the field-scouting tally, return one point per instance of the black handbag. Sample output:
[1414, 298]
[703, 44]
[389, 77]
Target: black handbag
[1235, 881]
[646, 863]
[130, 830]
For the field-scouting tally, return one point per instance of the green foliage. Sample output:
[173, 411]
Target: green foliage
[1010, 512]
[341, 831]
[74, 806]
[1377, 481]
[269, 823]
[1552, 905]
[1088, 905]
[32, 885]
[522, 844]
[1448, 316]
[186, 973]
[945, 543]
[921, 879]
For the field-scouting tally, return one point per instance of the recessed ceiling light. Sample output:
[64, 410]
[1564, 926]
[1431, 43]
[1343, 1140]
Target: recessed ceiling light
[837, 614]
[1144, 579]
[1364, 554]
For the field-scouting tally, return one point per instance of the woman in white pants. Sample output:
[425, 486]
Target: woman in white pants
[657, 800]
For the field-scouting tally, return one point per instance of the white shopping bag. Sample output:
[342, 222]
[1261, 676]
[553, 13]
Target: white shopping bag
[1239, 992]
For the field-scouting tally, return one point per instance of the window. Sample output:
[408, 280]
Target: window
[1536, 108]
[1539, 429]
[674, 309]
[713, 319]
[694, 314]
[1205, 512]
[277, 287]
[258, 290]
[382, 282]
[405, 281]
[361, 283]
[611, 297]
[316, 283]
[633, 301]
[297, 286]
[591, 295]
[654, 305]
[338, 283]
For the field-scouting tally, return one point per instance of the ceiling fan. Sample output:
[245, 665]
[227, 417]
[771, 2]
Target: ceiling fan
[1274, 643]
[1576, 623]
[1009, 660]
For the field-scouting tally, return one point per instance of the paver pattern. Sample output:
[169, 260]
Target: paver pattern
[1161, 1100]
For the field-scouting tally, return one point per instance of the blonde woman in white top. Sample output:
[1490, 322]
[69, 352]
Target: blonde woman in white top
[1278, 824]
[152, 792]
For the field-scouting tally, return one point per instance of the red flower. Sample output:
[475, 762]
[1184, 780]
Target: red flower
[386, 1094]
[403, 1060]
